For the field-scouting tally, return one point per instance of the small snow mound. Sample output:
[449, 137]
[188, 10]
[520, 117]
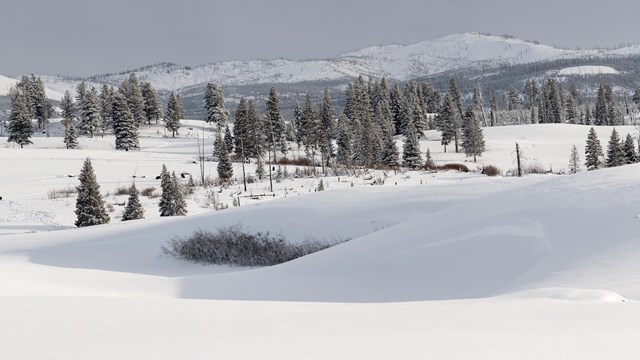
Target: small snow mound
[588, 70]
[569, 294]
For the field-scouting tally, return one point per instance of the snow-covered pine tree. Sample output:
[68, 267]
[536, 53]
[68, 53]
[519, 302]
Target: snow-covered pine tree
[574, 161]
[429, 164]
[89, 204]
[390, 154]
[225, 169]
[298, 120]
[593, 151]
[20, 126]
[91, 118]
[70, 136]
[106, 105]
[411, 157]
[133, 210]
[152, 103]
[126, 132]
[629, 149]
[214, 105]
[132, 92]
[345, 152]
[172, 115]
[275, 125]
[68, 111]
[473, 139]
[218, 145]
[447, 121]
[228, 139]
[615, 151]
[166, 204]
[180, 203]
[240, 128]
[601, 113]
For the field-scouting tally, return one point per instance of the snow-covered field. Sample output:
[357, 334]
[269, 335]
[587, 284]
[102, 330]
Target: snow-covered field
[440, 265]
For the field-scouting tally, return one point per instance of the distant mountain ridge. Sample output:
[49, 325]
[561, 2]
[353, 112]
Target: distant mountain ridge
[396, 62]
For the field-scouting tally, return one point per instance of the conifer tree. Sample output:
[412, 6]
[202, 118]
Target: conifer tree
[91, 118]
[172, 202]
[132, 92]
[225, 169]
[214, 105]
[390, 154]
[345, 151]
[601, 113]
[152, 104]
[228, 139]
[20, 126]
[89, 204]
[593, 151]
[629, 148]
[574, 161]
[172, 115]
[240, 128]
[133, 210]
[447, 121]
[275, 125]
[81, 91]
[411, 157]
[615, 151]
[429, 164]
[126, 132]
[473, 139]
[106, 105]
[299, 121]
[70, 136]
[67, 109]
[180, 203]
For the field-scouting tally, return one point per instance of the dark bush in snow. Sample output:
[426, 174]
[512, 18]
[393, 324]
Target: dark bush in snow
[454, 166]
[491, 170]
[233, 245]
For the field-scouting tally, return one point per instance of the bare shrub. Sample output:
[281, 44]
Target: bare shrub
[300, 161]
[61, 193]
[534, 168]
[123, 190]
[491, 170]
[232, 245]
[149, 192]
[454, 166]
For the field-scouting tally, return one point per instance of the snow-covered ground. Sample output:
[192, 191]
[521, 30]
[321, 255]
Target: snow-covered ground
[441, 265]
[589, 70]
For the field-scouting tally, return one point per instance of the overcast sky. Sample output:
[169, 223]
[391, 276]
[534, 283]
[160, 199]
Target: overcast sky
[84, 37]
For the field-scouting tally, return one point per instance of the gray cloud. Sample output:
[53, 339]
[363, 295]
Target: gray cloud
[82, 37]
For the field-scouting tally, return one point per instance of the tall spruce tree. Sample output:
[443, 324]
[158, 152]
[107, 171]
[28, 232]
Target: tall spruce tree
[225, 169]
[411, 157]
[20, 126]
[152, 104]
[132, 92]
[133, 210]
[390, 154]
[68, 112]
[615, 151]
[172, 202]
[593, 151]
[446, 120]
[214, 105]
[172, 115]
[473, 139]
[126, 132]
[275, 125]
[629, 149]
[228, 139]
[91, 118]
[70, 136]
[106, 105]
[345, 151]
[89, 204]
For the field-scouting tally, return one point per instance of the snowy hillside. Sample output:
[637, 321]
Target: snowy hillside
[6, 83]
[505, 265]
[400, 62]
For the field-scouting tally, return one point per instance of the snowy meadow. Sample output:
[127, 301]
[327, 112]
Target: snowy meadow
[444, 265]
